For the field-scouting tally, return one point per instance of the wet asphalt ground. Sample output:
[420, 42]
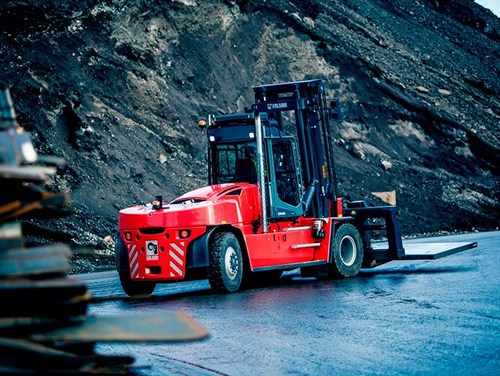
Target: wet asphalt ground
[437, 317]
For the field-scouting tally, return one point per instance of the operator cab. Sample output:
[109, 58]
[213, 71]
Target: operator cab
[233, 157]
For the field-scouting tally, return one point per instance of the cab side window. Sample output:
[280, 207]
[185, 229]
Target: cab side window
[286, 172]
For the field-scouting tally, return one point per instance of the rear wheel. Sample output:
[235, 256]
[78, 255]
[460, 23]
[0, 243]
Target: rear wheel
[225, 272]
[347, 252]
[136, 289]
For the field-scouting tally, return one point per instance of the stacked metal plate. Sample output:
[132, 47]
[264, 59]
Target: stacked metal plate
[44, 326]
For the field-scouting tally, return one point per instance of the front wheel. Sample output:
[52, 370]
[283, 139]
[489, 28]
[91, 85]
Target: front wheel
[136, 289]
[225, 272]
[347, 252]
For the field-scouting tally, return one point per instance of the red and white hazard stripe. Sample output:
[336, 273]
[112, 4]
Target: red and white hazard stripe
[176, 254]
[134, 264]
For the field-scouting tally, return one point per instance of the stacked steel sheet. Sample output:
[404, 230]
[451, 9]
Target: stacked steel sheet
[44, 326]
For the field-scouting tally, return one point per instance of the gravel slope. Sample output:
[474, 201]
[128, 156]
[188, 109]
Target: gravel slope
[117, 87]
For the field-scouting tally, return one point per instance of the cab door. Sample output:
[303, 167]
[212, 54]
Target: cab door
[285, 180]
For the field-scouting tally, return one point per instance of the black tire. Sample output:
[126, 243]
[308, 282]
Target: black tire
[347, 249]
[225, 272]
[136, 289]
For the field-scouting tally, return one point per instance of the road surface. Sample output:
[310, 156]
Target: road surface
[437, 317]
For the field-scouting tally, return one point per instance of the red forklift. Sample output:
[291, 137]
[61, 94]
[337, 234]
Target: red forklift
[271, 205]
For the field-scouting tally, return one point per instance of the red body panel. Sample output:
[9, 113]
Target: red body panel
[287, 244]
[157, 241]
[167, 261]
[213, 205]
[157, 249]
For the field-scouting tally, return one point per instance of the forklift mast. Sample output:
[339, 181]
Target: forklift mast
[312, 126]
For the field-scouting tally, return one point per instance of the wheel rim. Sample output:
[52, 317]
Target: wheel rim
[348, 250]
[231, 263]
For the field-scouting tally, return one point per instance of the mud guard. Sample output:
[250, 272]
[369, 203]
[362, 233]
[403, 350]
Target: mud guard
[197, 255]
[121, 255]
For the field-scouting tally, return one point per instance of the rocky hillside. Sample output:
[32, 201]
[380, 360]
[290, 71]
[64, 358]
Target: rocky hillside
[117, 87]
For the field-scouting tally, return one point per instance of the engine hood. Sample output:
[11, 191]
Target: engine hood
[232, 203]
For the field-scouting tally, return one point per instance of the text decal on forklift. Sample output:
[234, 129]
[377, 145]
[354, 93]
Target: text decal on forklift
[152, 250]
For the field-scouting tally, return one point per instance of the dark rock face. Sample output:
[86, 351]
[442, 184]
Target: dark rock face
[117, 88]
